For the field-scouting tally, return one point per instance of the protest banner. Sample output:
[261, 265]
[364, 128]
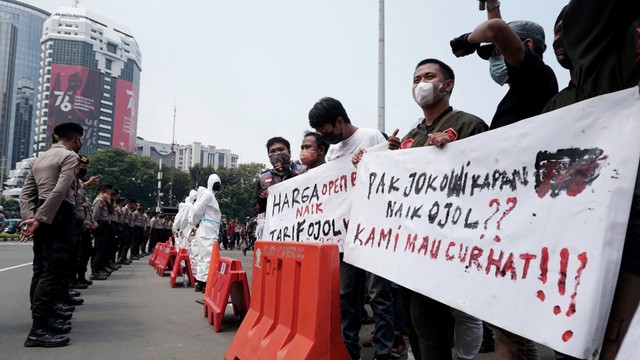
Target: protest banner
[522, 226]
[630, 346]
[312, 207]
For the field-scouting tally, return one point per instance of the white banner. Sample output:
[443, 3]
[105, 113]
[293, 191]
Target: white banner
[522, 226]
[312, 207]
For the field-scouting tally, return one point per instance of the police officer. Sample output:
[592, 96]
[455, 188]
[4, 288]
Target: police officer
[47, 207]
[100, 211]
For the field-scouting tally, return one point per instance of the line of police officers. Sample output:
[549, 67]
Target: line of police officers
[62, 221]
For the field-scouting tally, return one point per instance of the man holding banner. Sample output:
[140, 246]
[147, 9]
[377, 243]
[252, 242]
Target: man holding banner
[328, 116]
[428, 319]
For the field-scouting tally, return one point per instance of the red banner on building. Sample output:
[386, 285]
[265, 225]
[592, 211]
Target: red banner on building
[125, 119]
[74, 97]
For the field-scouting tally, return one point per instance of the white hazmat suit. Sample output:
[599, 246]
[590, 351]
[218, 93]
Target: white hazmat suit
[206, 215]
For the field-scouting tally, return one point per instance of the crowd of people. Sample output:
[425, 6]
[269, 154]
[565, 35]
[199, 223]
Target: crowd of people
[597, 43]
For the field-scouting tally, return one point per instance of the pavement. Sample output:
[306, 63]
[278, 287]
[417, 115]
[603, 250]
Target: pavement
[135, 314]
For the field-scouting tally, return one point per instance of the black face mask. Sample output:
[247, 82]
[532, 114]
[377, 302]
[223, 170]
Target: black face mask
[216, 187]
[563, 59]
[82, 173]
[333, 138]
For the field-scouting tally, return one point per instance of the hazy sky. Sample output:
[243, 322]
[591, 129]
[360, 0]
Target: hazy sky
[243, 71]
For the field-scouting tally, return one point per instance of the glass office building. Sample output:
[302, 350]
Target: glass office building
[90, 75]
[20, 33]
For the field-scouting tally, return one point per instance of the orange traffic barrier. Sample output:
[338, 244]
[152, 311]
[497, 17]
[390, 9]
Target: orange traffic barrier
[295, 310]
[228, 280]
[167, 259]
[183, 255]
[154, 255]
[213, 264]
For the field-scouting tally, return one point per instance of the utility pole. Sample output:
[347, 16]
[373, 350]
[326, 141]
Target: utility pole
[381, 124]
[2, 178]
[75, 3]
[158, 204]
[173, 156]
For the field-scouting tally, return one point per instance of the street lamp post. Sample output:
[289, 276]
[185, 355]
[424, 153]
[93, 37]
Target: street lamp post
[158, 204]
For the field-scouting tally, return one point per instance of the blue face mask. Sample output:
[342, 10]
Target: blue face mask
[498, 70]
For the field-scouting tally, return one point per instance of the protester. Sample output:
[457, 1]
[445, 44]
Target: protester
[428, 321]
[231, 231]
[279, 151]
[313, 150]
[602, 58]
[515, 58]
[206, 217]
[47, 207]
[329, 118]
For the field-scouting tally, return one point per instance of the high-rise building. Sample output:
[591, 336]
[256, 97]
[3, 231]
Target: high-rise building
[186, 156]
[20, 32]
[90, 74]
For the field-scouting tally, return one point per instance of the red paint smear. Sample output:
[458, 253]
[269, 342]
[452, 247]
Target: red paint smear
[583, 263]
[567, 335]
[556, 310]
[510, 201]
[544, 265]
[541, 295]
[497, 239]
[578, 185]
[564, 260]
[550, 169]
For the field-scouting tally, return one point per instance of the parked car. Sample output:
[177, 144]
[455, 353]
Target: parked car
[12, 226]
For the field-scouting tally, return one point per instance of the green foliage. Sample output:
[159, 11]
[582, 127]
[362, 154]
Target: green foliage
[5, 236]
[137, 177]
[134, 175]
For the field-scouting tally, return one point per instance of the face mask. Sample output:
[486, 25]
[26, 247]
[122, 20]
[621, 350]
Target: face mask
[498, 70]
[216, 187]
[82, 173]
[308, 157]
[333, 138]
[282, 158]
[563, 59]
[426, 93]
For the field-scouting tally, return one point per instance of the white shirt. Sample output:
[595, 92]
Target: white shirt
[362, 138]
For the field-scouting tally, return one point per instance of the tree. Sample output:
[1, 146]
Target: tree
[134, 175]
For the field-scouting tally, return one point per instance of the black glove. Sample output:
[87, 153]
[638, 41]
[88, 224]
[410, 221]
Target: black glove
[460, 46]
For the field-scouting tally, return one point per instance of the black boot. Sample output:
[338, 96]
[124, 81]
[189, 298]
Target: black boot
[200, 286]
[42, 338]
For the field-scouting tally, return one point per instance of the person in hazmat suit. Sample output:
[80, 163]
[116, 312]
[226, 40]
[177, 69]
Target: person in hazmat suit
[206, 217]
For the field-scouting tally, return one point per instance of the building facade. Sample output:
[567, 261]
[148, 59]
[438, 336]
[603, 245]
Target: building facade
[186, 156]
[90, 75]
[20, 32]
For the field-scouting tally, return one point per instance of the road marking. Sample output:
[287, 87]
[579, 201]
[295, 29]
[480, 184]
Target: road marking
[15, 267]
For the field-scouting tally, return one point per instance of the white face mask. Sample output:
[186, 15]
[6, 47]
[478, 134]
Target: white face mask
[426, 93]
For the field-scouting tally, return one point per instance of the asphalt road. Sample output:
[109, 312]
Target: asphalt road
[134, 314]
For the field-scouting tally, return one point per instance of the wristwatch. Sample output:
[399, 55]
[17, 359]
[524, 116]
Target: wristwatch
[493, 6]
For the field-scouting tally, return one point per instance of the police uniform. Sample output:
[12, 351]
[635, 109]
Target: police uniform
[48, 197]
[101, 215]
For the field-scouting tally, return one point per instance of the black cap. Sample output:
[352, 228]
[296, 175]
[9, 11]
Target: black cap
[68, 129]
[105, 187]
